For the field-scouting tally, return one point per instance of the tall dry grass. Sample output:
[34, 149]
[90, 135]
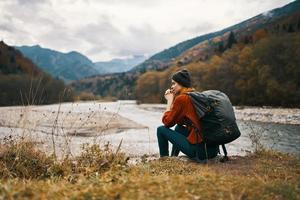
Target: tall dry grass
[21, 156]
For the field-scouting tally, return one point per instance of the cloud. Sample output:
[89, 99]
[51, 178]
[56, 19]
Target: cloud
[105, 29]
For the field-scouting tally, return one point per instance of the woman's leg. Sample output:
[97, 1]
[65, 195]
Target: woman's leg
[210, 150]
[165, 134]
[182, 130]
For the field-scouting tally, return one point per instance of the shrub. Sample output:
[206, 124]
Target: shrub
[20, 158]
[94, 159]
[86, 96]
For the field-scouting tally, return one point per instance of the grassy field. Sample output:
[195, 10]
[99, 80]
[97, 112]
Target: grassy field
[100, 173]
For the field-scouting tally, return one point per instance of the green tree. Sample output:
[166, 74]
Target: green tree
[231, 40]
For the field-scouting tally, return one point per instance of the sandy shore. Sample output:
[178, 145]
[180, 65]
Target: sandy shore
[70, 121]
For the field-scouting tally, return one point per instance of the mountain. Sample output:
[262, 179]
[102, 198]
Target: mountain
[275, 22]
[148, 80]
[65, 66]
[13, 62]
[255, 64]
[23, 82]
[163, 59]
[119, 65]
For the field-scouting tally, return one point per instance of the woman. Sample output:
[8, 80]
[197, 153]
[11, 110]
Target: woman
[180, 111]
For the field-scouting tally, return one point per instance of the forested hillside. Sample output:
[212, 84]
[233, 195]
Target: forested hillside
[263, 73]
[23, 83]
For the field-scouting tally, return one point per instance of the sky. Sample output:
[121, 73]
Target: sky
[106, 29]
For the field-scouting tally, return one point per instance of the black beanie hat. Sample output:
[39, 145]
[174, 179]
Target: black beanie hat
[182, 77]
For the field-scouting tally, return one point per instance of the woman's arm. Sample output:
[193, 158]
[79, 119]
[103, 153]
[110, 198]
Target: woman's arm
[169, 104]
[174, 112]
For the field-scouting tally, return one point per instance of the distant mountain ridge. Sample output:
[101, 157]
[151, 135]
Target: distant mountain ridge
[119, 65]
[74, 65]
[66, 66]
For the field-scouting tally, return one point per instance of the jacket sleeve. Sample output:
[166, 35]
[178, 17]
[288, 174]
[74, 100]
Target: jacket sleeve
[173, 116]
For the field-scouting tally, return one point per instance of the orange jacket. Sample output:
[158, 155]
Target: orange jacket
[183, 107]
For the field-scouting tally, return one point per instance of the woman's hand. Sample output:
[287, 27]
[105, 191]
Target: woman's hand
[169, 96]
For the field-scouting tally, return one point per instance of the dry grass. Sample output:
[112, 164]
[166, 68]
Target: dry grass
[100, 173]
[23, 160]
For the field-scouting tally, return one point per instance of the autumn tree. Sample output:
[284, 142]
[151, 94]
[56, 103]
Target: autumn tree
[259, 34]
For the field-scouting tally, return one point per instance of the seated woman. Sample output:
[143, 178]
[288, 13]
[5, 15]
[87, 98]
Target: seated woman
[180, 110]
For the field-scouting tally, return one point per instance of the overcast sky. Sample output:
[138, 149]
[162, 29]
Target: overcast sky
[105, 29]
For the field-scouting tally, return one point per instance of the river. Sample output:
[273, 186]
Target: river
[137, 142]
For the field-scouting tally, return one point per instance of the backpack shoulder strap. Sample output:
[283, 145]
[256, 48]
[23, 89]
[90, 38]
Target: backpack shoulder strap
[200, 104]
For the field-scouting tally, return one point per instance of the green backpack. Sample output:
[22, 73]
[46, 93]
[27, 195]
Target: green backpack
[216, 113]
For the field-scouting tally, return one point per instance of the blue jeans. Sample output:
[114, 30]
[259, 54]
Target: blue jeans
[178, 138]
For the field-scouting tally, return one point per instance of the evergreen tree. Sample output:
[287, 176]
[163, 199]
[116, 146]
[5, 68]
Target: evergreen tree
[221, 48]
[231, 40]
[291, 29]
